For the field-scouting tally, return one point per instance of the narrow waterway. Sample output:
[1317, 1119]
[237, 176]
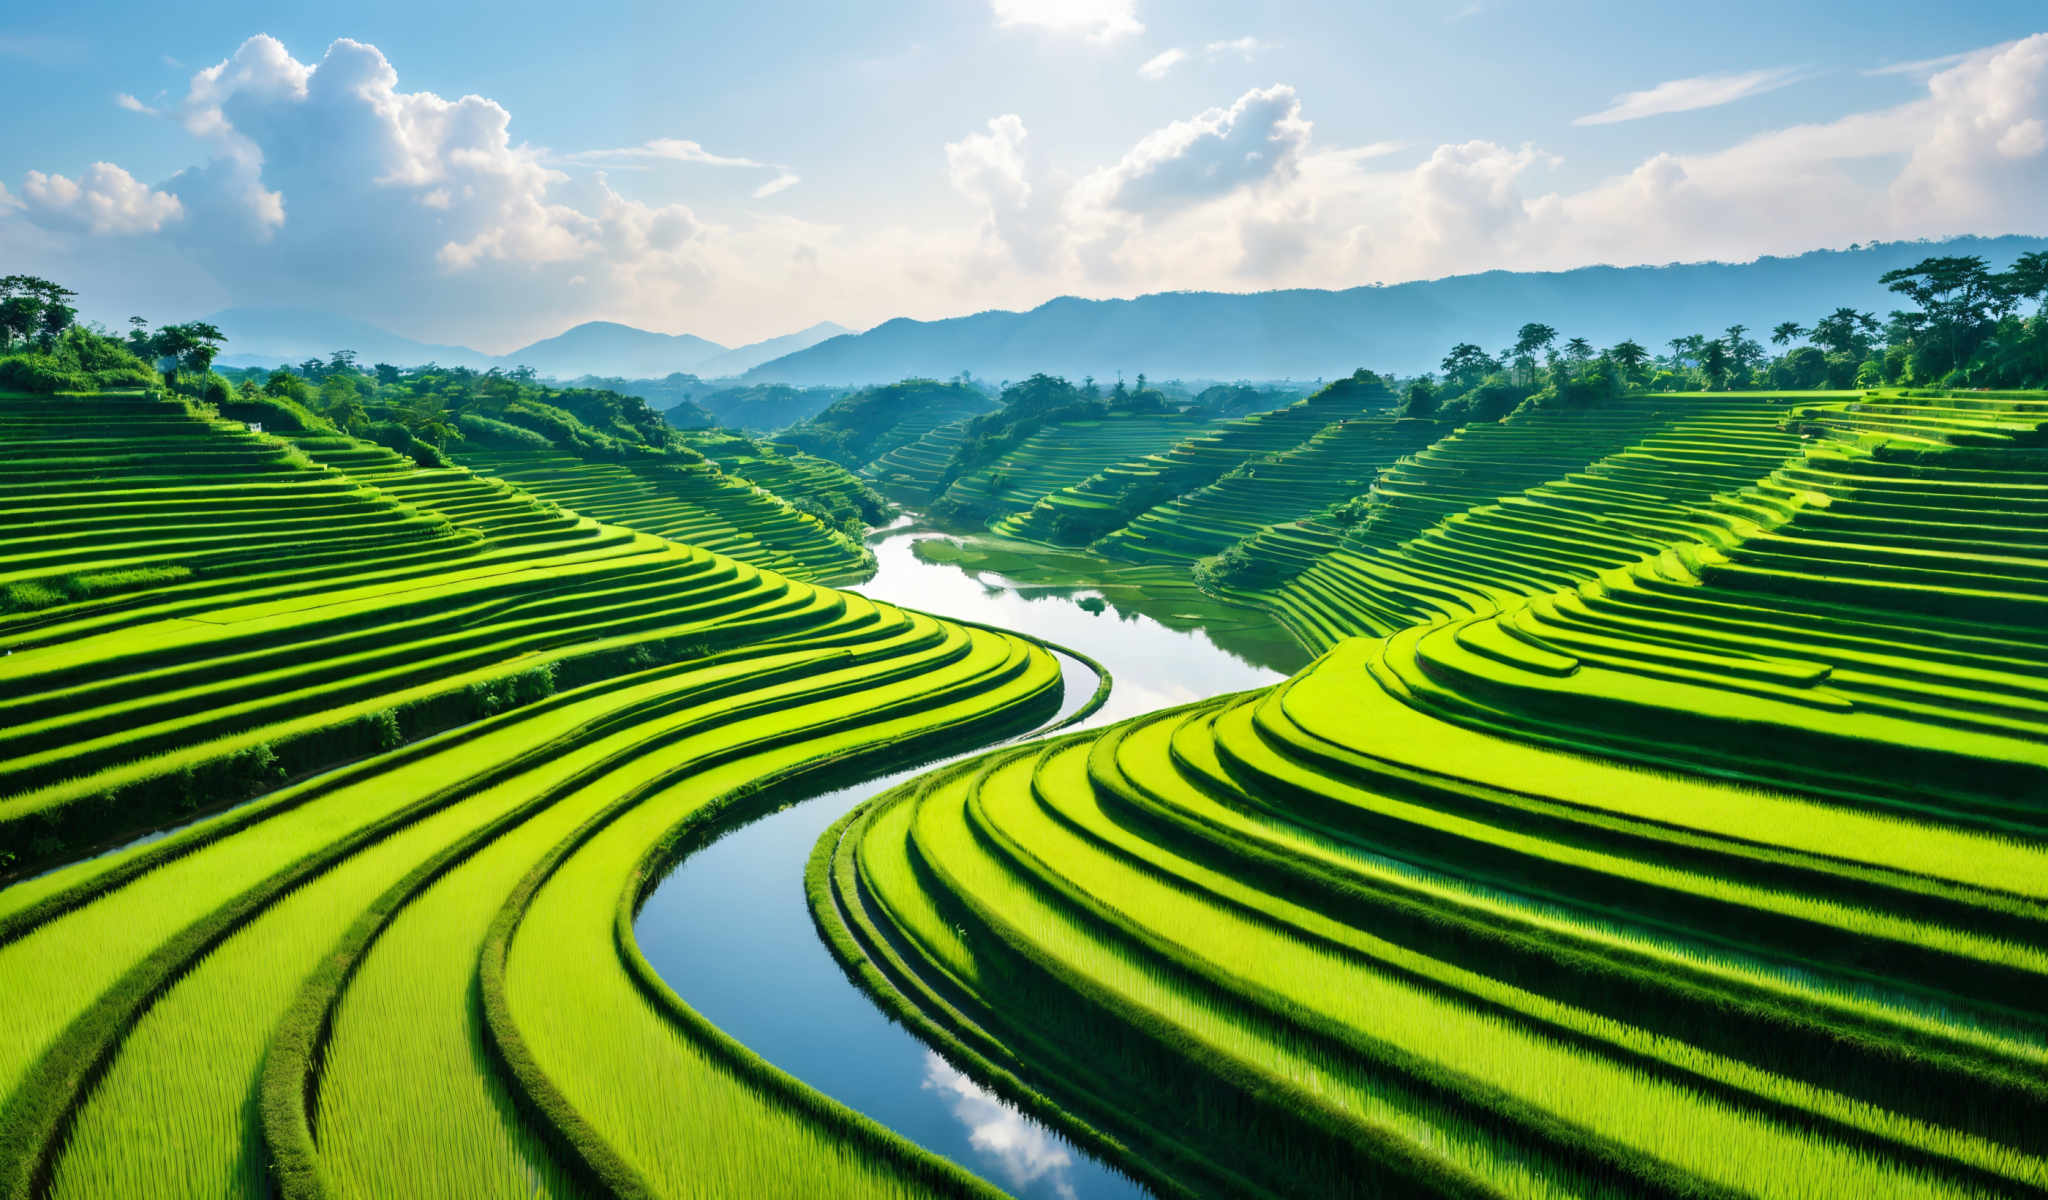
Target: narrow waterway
[730, 931]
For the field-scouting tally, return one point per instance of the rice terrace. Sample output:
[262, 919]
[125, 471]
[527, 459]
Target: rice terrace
[1264, 659]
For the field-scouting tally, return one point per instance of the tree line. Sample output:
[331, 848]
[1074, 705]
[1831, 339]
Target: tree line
[1963, 325]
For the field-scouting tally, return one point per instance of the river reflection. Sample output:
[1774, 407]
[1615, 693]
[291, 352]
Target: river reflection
[731, 932]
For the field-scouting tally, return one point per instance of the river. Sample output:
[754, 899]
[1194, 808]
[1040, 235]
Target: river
[739, 901]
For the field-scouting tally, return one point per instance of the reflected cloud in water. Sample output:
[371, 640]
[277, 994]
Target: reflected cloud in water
[1028, 1156]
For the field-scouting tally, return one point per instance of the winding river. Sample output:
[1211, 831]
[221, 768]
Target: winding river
[739, 902]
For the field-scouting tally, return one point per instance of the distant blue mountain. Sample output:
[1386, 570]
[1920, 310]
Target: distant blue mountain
[1404, 328]
[609, 348]
[268, 337]
[744, 358]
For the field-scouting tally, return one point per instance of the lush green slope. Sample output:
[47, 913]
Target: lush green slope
[859, 428]
[692, 502]
[1111, 498]
[810, 483]
[915, 472]
[1055, 457]
[1684, 837]
[462, 725]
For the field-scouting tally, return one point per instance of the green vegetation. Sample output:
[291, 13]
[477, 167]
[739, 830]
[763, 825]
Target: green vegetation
[870, 423]
[1682, 838]
[1661, 817]
[392, 693]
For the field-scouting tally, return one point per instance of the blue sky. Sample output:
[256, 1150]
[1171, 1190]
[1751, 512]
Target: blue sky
[741, 170]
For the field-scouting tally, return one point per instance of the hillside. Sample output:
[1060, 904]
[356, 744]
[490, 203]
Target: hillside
[741, 359]
[1400, 329]
[1674, 829]
[270, 337]
[418, 721]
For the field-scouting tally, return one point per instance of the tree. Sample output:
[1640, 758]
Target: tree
[1687, 350]
[1531, 338]
[2027, 280]
[1420, 400]
[1845, 331]
[1787, 332]
[1579, 351]
[190, 346]
[33, 307]
[1743, 351]
[1716, 364]
[1629, 355]
[1959, 296]
[1467, 364]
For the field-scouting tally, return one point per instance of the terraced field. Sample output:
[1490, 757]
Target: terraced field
[791, 476]
[434, 737]
[695, 503]
[1663, 817]
[1341, 461]
[1496, 513]
[1106, 501]
[1678, 831]
[1061, 456]
[913, 472]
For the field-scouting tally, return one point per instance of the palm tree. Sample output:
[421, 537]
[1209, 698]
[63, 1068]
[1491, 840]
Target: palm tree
[1715, 364]
[1787, 332]
[1631, 355]
[1579, 351]
[1531, 338]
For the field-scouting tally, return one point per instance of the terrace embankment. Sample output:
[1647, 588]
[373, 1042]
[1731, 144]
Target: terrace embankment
[446, 725]
[1678, 833]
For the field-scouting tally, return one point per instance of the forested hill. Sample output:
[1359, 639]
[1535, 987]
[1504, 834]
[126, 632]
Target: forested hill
[1304, 334]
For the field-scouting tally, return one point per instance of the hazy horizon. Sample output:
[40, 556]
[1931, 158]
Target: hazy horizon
[437, 179]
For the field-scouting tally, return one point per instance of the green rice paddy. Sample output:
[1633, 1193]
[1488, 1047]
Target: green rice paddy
[1663, 814]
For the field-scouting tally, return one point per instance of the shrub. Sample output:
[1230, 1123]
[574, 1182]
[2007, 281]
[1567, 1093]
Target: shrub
[503, 435]
[397, 437]
[277, 414]
[37, 372]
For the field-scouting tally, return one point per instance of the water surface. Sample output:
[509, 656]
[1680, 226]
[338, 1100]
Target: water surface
[731, 932]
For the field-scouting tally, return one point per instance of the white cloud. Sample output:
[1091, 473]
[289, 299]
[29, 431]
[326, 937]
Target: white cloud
[1100, 20]
[1257, 139]
[781, 183]
[104, 200]
[124, 100]
[1156, 67]
[1023, 1152]
[990, 169]
[1247, 48]
[661, 149]
[1925, 66]
[1686, 95]
[328, 185]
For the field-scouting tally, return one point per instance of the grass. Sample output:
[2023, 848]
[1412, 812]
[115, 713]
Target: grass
[503, 667]
[1674, 838]
[1675, 833]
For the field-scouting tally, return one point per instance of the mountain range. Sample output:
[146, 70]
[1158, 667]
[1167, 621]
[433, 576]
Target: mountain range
[1299, 334]
[1403, 328]
[262, 337]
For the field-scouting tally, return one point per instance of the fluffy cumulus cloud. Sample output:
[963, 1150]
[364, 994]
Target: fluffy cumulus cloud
[1244, 195]
[328, 184]
[1257, 140]
[103, 200]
